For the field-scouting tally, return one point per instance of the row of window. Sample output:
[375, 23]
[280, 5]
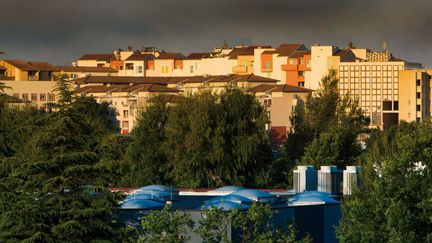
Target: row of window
[35, 96]
[371, 67]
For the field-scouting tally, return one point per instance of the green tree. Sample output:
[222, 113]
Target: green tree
[213, 226]
[146, 157]
[47, 197]
[165, 226]
[394, 202]
[325, 129]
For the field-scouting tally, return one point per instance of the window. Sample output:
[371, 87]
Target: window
[418, 108]
[301, 73]
[418, 82]
[268, 64]
[42, 97]
[293, 61]
[100, 65]
[125, 113]
[140, 69]
[33, 97]
[51, 97]
[24, 97]
[267, 102]
[16, 95]
[129, 66]
[395, 105]
[418, 95]
[191, 68]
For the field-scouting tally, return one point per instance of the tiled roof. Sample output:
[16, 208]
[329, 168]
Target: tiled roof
[150, 88]
[43, 66]
[279, 88]
[126, 88]
[286, 50]
[221, 78]
[2, 68]
[139, 57]
[98, 57]
[174, 56]
[197, 55]
[121, 80]
[297, 54]
[72, 69]
[269, 52]
[342, 53]
[244, 51]
[101, 88]
[23, 65]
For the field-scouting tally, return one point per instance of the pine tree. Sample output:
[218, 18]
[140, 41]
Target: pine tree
[48, 198]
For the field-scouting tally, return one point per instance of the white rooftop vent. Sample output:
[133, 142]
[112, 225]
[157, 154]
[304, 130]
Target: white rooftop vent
[329, 178]
[350, 179]
[305, 178]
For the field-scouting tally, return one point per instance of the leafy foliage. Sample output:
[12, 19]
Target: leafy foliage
[45, 194]
[394, 203]
[165, 226]
[206, 140]
[325, 129]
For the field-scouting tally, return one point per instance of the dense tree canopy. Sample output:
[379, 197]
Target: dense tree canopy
[394, 202]
[206, 140]
[46, 194]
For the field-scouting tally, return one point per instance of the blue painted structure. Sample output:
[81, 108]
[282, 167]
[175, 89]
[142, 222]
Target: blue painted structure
[315, 213]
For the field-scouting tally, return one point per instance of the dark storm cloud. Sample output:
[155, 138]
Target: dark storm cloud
[62, 30]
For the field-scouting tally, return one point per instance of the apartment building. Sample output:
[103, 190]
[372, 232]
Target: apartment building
[127, 100]
[37, 93]
[75, 72]
[280, 101]
[415, 95]
[95, 60]
[216, 84]
[289, 63]
[26, 71]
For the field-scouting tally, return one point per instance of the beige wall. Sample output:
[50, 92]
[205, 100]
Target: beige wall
[29, 88]
[413, 95]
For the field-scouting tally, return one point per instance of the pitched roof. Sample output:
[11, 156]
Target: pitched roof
[23, 65]
[269, 52]
[288, 49]
[72, 69]
[121, 80]
[43, 66]
[297, 54]
[101, 88]
[98, 57]
[342, 53]
[2, 68]
[174, 56]
[279, 88]
[244, 51]
[255, 78]
[139, 57]
[221, 79]
[197, 55]
[150, 88]
[126, 88]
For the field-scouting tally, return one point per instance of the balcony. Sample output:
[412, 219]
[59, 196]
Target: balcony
[290, 67]
[240, 69]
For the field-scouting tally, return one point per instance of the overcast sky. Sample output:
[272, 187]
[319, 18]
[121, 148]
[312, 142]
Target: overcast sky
[60, 31]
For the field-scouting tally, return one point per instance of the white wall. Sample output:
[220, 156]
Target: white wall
[319, 64]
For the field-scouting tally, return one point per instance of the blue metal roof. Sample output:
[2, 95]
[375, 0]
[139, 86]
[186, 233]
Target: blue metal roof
[228, 189]
[226, 205]
[145, 196]
[141, 204]
[255, 195]
[312, 197]
[157, 188]
[231, 198]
